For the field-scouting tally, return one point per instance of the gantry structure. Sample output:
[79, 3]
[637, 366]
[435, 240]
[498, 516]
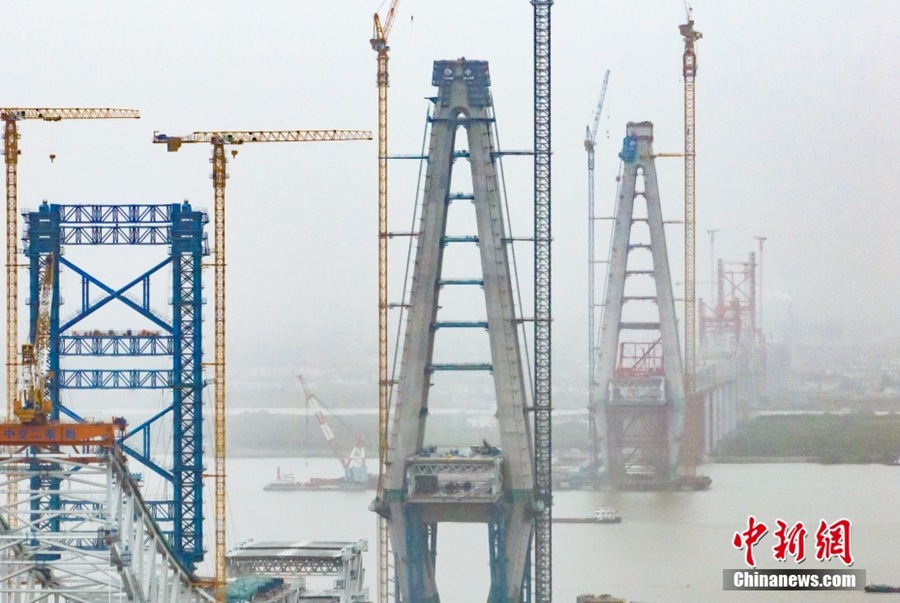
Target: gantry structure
[729, 346]
[728, 322]
[295, 566]
[425, 485]
[175, 342]
[640, 393]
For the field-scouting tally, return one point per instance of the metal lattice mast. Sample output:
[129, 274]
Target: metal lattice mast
[589, 144]
[689, 71]
[219, 177]
[11, 147]
[383, 387]
[380, 46]
[543, 531]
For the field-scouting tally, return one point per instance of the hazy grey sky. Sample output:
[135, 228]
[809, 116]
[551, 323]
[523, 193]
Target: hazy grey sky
[797, 122]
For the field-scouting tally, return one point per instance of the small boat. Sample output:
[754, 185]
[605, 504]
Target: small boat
[606, 515]
[882, 588]
[601, 515]
[284, 482]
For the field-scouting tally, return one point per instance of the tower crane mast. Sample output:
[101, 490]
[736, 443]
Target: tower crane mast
[692, 416]
[590, 138]
[542, 424]
[218, 140]
[379, 42]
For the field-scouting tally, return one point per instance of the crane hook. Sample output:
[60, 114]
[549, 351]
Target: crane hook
[52, 157]
[233, 153]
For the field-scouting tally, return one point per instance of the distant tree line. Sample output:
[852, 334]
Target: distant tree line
[262, 433]
[828, 438]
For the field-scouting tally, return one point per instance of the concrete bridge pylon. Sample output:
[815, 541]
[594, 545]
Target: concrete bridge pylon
[427, 484]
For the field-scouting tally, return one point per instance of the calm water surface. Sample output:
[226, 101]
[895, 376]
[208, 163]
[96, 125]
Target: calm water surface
[670, 546]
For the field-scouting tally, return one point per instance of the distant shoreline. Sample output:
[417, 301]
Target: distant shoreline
[759, 460]
[261, 453]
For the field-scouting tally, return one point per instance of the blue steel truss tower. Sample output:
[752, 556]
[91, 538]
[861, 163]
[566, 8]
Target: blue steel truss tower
[483, 484]
[180, 228]
[639, 382]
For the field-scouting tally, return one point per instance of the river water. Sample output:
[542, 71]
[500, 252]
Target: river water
[670, 546]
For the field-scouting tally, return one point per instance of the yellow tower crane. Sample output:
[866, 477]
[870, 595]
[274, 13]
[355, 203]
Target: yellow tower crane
[10, 118]
[218, 140]
[692, 411]
[379, 43]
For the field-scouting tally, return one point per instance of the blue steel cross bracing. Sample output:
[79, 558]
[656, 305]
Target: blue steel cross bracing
[180, 228]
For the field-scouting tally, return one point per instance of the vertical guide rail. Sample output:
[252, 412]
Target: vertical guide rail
[383, 409]
[689, 71]
[219, 177]
[542, 374]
